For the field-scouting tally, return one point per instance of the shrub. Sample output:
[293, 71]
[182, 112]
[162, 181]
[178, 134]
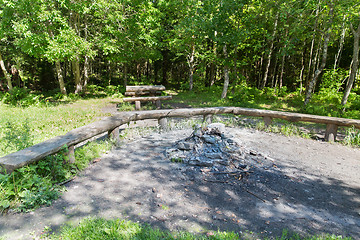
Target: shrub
[22, 97]
[16, 136]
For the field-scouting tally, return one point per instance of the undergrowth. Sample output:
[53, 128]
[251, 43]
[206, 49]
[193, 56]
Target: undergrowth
[38, 184]
[286, 129]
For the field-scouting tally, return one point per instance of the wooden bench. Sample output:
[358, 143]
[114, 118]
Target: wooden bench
[144, 94]
[111, 126]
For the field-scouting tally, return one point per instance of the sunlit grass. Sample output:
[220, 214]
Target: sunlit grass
[50, 121]
[99, 228]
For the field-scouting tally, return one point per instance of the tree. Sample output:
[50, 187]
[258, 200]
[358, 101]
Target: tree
[355, 63]
[324, 56]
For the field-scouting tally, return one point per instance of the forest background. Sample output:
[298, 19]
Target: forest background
[241, 48]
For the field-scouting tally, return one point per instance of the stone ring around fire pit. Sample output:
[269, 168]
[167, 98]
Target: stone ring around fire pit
[209, 147]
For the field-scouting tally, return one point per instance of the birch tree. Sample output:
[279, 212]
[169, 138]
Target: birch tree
[313, 82]
[355, 64]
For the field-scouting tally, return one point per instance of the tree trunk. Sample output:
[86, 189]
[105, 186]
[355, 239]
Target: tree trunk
[6, 74]
[324, 57]
[125, 75]
[1, 86]
[342, 39]
[283, 61]
[165, 65]
[236, 77]
[60, 77]
[274, 76]
[191, 63]
[87, 60]
[147, 67]
[270, 52]
[76, 71]
[312, 45]
[355, 65]
[86, 70]
[302, 70]
[109, 73]
[282, 72]
[212, 74]
[260, 66]
[226, 74]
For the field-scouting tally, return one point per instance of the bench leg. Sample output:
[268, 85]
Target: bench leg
[137, 105]
[114, 135]
[331, 132]
[267, 121]
[158, 104]
[71, 154]
[208, 118]
[163, 123]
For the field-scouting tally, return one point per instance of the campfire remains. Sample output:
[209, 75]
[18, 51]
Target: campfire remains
[219, 158]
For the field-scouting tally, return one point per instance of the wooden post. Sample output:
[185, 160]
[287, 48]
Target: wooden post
[163, 123]
[114, 135]
[158, 104]
[71, 154]
[267, 121]
[208, 118]
[137, 105]
[331, 132]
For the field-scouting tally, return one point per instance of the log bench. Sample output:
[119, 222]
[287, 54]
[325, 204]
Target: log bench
[144, 94]
[111, 126]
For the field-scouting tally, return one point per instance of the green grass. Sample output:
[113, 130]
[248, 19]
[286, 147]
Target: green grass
[99, 228]
[40, 123]
[36, 185]
[322, 103]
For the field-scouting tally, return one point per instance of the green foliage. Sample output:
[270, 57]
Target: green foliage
[352, 137]
[99, 228]
[27, 188]
[26, 126]
[325, 103]
[35, 185]
[22, 97]
[333, 79]
[89, 152]
[15, 136]
[176, 160]
[109, 90]
[286, 129]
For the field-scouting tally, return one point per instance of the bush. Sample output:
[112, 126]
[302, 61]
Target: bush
[22, 97]
[25, 189]
[352, 137]
[16, 136]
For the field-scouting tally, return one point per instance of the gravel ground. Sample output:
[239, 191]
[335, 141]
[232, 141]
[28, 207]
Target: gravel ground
[302, 185]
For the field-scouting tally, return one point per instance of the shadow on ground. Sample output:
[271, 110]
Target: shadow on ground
[138, 183]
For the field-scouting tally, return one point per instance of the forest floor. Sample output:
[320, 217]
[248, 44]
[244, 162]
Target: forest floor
[308, 187]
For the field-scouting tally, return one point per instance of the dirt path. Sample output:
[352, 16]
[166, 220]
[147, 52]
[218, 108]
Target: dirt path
[308, 187]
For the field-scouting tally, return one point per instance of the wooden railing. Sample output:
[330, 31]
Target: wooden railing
[111, 126]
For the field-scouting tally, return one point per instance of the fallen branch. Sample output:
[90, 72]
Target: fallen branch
[232, 173]
[254, 195]
[66, 181]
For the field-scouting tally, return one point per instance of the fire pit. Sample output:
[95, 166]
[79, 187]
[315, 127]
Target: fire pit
[218, 157]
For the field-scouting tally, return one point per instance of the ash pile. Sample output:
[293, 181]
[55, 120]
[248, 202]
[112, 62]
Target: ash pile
[212, 156]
